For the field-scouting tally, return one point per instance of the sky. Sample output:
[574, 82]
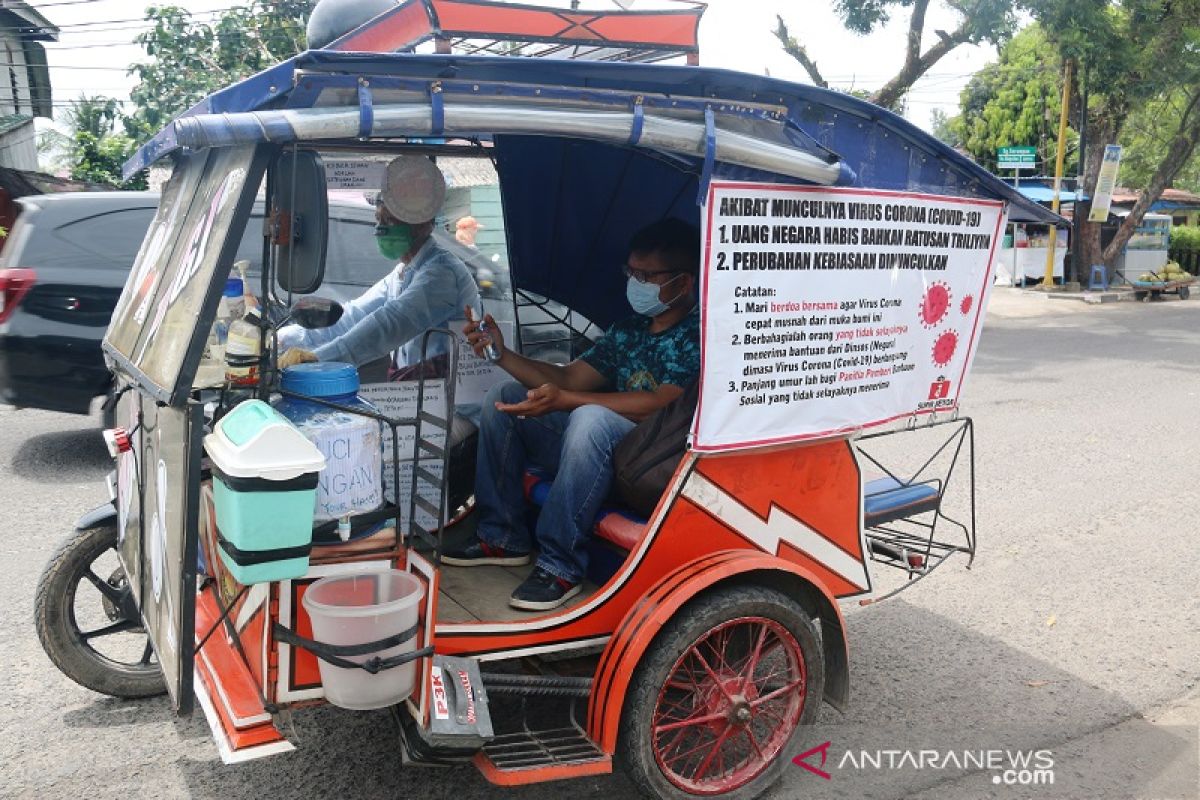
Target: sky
[95, 47]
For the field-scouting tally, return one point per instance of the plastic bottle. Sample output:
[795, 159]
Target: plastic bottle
[249, 301]
[243, 349]
[229, 308]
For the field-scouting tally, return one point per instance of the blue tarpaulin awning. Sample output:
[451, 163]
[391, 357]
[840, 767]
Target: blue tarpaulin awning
[1044, 194]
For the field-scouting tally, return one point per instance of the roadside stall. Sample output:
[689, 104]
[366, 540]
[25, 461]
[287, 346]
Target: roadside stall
[847, 260]
[1022, 259]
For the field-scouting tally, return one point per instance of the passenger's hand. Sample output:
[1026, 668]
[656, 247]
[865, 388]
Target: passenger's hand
[296, 356]
[545, 399]
[479, 339]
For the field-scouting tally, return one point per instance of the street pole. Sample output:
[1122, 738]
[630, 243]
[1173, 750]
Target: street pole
[1078, 218]
[1017, 186]
[1048, 278]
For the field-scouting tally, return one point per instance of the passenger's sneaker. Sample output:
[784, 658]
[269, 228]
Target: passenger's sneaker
[542, 591]
[479, 553]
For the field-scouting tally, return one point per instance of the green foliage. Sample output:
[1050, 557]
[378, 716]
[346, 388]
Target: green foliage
[1146, 138]
[99, 159]
[189, 59]
[945, 128]
[983, 20]
[1014, 102]
[91, 149]
[1185, 237]
[980, 21]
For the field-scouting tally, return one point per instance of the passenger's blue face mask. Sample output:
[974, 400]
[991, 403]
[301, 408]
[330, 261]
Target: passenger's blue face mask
[643, 297]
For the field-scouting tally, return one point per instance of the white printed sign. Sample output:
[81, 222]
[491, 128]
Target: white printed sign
[354, 174]
[398, 400]
[1106, 183]
[476, 375]
[827, 310]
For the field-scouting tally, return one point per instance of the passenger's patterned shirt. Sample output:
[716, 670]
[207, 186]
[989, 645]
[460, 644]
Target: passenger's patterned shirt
[632, 359]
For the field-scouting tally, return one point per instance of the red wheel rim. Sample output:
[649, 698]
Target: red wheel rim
[729, 705]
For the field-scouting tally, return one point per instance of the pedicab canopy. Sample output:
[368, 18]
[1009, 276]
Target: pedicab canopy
[846, 254]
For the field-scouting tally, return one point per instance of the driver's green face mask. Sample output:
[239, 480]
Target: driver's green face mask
[393, 240]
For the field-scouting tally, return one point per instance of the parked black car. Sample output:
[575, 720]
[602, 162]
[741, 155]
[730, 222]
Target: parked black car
[66, 261]
[61, 272]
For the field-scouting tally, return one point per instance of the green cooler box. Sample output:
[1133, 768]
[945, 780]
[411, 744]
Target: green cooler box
[265, 491]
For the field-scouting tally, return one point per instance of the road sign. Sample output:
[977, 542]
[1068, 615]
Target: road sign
[1021, 157]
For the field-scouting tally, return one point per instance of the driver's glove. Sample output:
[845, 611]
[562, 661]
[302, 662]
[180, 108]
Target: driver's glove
[296, 355]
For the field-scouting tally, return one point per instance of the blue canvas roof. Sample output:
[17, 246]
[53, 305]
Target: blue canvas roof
[854, 128]
[577, 201]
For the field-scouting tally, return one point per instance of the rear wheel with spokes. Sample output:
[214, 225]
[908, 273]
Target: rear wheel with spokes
[717, 703]
[88, 622]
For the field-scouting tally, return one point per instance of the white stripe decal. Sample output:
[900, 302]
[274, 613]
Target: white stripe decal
[228, 754]
[779, 526]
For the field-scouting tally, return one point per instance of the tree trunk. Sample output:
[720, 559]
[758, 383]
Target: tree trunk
[1101, 131]
[1178, 154]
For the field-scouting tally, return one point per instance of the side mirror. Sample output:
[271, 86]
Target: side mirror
[316, 312]
[299, 221]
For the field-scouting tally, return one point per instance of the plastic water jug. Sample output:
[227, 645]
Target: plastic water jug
[352, 482]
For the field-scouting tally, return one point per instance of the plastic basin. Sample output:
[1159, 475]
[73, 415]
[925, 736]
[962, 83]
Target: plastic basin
[358, 608]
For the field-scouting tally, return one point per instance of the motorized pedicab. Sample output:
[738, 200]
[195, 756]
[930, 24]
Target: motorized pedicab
[847, 261]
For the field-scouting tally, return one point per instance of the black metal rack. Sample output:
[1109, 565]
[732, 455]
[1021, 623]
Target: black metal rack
[919, 539]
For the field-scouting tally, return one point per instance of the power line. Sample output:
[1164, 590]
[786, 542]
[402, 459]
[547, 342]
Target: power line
[105, 24]
[40, 6]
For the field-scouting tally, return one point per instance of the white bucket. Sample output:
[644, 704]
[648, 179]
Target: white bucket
[359, 608]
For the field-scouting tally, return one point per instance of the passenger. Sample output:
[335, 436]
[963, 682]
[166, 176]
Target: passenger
[429, 287]
[568, 419]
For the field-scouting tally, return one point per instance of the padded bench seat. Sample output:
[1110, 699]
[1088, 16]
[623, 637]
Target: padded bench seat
[617, 527]
[884, 500]
[887, 500]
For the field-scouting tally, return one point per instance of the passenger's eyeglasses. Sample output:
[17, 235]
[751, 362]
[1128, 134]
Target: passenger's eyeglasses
[647, 276]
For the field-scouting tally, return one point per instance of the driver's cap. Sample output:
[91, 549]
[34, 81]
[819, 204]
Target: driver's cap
[413, 189]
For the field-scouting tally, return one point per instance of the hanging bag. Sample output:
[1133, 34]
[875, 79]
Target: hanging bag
[646, 458]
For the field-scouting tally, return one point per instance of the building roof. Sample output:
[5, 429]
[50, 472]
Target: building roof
[20, 183]
[31, 24]
[10, 122]
[1170, 198]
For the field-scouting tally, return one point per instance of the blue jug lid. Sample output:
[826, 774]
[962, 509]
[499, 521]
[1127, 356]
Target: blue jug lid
[321, 379]
[233, 287]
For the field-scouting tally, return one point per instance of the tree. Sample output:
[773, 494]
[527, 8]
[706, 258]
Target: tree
[1140, 61]
[92, 149]
[943, 127]
[99, 159]
[991, 21]
[1133, 53]
[189, 59]
[1015, 101]
[1147, 135]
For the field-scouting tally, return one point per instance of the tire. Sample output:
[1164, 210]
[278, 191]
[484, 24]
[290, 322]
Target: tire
[71, 649]
[1184, 292]
[669, 764]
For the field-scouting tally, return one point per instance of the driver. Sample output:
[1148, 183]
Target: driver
[429, 287]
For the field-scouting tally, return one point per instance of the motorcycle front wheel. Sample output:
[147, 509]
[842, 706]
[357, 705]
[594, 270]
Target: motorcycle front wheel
[88, 622]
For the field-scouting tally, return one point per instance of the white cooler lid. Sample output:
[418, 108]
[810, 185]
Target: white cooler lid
[256, 441]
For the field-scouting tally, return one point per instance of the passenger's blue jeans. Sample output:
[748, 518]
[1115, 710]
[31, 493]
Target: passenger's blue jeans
[575, 447]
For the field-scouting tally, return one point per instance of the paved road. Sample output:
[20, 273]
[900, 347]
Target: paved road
[1079, 616]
